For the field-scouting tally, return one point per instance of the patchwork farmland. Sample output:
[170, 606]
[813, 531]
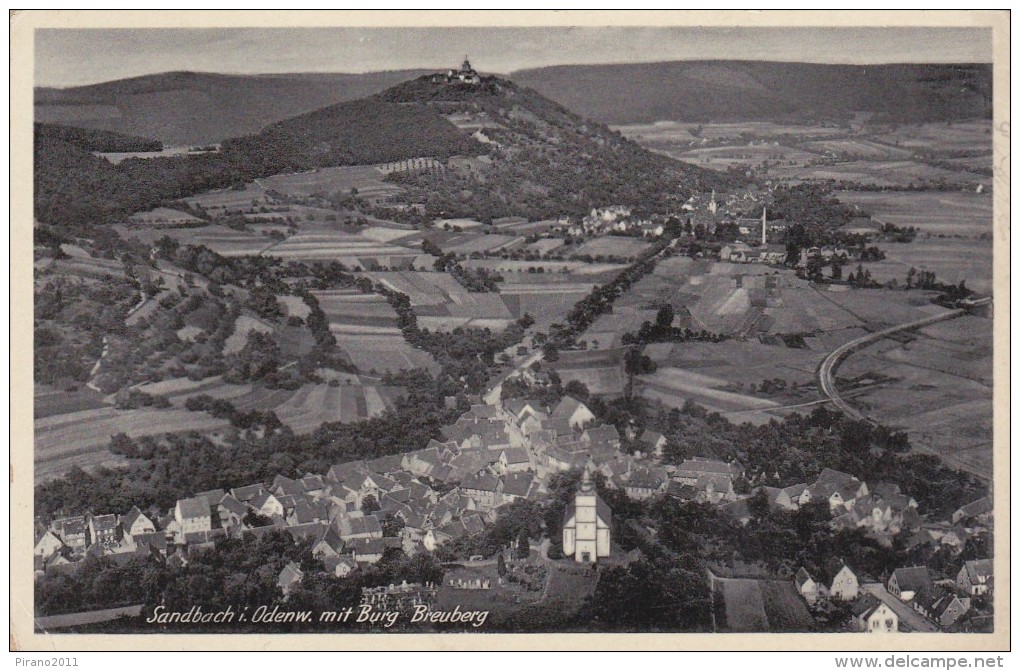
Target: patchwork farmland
[366, 329]
[304, 409]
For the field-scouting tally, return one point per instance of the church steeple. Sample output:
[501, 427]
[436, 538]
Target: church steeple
[587, 522]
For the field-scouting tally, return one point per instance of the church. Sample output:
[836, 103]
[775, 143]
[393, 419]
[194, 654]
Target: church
[586, 524]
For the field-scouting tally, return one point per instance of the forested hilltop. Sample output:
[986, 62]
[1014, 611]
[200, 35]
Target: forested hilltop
[535, 158]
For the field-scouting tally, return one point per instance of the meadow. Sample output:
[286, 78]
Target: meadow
[936, 384]
[366, 179]
[882, 173]
[948, 213]
[81, 438]
[612, 245]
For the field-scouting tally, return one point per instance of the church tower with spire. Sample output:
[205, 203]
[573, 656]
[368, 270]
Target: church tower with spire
[587, 523]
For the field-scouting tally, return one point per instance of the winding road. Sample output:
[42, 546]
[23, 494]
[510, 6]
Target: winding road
[827, 369]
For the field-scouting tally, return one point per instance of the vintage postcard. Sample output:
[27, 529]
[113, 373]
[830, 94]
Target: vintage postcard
[532, 330]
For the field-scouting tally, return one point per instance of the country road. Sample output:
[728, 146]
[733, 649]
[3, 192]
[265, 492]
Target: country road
[827, 368]
[492, 397]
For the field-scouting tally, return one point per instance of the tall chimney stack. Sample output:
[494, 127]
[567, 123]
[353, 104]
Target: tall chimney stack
[763, 227]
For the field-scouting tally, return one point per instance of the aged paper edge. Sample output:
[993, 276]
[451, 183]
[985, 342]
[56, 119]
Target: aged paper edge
[22, 634]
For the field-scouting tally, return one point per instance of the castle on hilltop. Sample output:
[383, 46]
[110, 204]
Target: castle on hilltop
[466, 75]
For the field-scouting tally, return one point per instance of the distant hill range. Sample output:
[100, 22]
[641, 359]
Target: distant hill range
[189, 108]
[758, 90]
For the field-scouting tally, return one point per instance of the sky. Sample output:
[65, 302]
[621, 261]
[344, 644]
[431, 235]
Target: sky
[72, 57]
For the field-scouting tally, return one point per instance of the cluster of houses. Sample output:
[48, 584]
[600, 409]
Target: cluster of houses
[882, 511]
[944, 604]
[615, 219]
[492, 456]
[354, 513]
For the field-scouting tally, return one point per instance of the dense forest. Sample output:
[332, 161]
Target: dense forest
[747, 90]
[96, 140]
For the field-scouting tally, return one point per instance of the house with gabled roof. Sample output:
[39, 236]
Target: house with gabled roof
[284, 486]
[560, 426]
[193, 515]
[533, 424]
[652, 442]
[559, 459]
[231, 512]
[247, 493]
[514, 460]
[47, 544]
[644, 484]
[788, 498]
[523, 408]
[341, 565]
[691, 470]
[906, 583]
[370, 550]
[949, 609]
[200, 541]
[290, 577]
[306, 512]
[844, 584]
[473, 524]
[155, 541]
[485, 488]
[268, 504]
[73, 531]
[342, 473]
[444, 474]
[872, 615]
[366, 526]
[517, 486]
[976, 577]
[312, 531]
[980, 510]
[603, 434]
[422, 462]
[104, 529]
[135, 522]
[574, 411]
[313, 484]
[806, 585]
[330, 544]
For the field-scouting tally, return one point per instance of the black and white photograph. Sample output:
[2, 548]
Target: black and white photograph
[491, 329]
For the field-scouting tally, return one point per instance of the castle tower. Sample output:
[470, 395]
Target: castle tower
[586, 523]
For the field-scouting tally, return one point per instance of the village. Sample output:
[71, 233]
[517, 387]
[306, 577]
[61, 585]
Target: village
[534, 448]
[496, 455]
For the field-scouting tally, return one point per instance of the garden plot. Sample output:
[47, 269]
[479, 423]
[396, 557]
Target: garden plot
[367, 179]
[348, 248]
[613, 245]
